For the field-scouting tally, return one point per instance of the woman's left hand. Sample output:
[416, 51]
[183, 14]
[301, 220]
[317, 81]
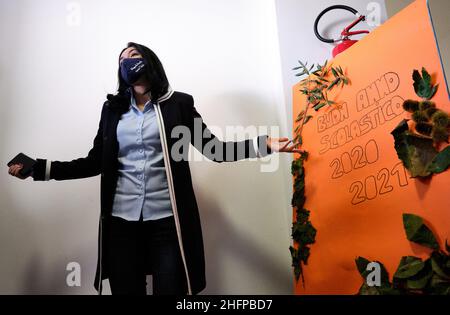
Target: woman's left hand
[282, 145]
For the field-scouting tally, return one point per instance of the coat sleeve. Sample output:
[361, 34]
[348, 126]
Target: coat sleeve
[223, 151]
[84, 167]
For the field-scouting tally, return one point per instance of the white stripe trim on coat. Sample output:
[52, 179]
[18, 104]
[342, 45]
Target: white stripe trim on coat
[48, 165]
[100, 280]
[256, 146]
[167, 95]
[167, 167]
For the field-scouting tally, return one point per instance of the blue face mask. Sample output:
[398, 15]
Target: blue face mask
[132, 69]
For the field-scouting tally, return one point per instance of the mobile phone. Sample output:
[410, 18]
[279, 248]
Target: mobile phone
[27, 162]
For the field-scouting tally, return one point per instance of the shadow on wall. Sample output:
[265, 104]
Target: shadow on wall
[35, 282]
[221, 238]
[36, 279]
[24, 264]
[24, 268]
[14, 227]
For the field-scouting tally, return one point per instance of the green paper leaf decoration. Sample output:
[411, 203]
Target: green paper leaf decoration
[426, 77]
[438, 261]
[421, 279]
[418, 232]
[419, 283]
[441, 161]
[361, 264]
[439, 285]
[409, 266]
[416, 152]
[423, 85]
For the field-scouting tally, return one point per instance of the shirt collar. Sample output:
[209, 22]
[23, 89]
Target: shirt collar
[133, 102]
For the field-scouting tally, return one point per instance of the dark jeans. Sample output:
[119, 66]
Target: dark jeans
[138, 248]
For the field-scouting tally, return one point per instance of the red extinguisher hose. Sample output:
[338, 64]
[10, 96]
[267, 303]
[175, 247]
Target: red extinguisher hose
[333, 7]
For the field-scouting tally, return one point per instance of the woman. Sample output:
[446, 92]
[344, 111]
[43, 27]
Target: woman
[149, 222]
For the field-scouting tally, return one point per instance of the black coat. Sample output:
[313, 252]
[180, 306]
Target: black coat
[173, 109]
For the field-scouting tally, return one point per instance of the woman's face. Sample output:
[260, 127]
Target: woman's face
[130, 52]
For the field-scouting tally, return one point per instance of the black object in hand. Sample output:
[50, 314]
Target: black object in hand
[26, 161]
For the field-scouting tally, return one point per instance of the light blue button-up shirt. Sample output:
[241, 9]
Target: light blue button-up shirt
[142, 182]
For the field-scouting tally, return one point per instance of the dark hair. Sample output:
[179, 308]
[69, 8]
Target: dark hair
[155, 75]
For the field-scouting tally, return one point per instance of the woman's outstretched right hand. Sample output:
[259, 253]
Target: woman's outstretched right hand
[14, 170]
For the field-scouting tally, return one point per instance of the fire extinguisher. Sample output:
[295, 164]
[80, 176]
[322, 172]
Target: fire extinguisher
[345, 41]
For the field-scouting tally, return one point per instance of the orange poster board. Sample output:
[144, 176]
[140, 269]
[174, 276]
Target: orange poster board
[356, 187]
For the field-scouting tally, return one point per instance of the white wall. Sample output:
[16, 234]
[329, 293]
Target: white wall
[54, 75]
